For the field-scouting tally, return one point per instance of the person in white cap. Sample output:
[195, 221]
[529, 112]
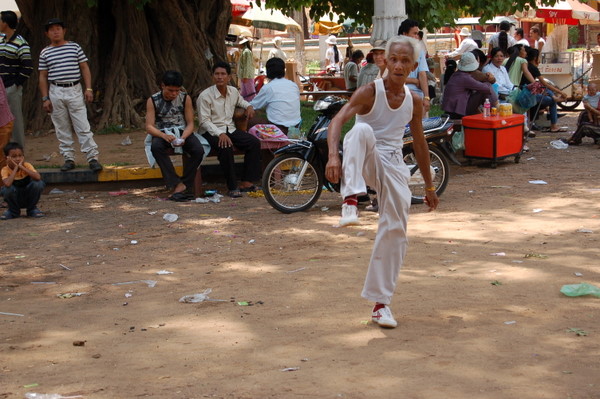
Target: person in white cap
[373, 156]
[463, 94]
[467, 44]
[332, 55]
[246, 70]
[276, 51]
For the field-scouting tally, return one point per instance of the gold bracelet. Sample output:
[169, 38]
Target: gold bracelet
[427, 98]
[430, 189]
[88, 89]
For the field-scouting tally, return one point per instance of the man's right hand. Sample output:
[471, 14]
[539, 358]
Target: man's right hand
[47, 106]
[333, 169]
[224, 141]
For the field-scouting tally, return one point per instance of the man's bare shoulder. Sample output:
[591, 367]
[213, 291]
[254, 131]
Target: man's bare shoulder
[363, 98]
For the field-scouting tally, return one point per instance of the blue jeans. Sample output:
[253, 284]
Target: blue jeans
[549, 102]
[23, 197]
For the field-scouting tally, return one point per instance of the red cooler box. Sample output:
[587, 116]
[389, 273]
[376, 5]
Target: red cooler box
[494, 137]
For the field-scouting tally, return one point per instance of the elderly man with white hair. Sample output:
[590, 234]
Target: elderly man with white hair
[373, 156]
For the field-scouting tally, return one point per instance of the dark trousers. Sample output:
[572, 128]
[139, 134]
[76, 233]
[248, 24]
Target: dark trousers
[192, 149]
[585, 128]
[245, 142]
[23, 197]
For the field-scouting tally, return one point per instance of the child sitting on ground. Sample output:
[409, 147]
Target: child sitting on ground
[23, 185]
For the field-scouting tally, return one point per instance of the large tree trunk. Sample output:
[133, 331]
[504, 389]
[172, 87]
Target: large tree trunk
[128, 50]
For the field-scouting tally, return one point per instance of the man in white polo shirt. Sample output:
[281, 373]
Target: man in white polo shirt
[62, 66]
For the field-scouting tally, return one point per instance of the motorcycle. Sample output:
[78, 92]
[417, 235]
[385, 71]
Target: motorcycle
[294, 179]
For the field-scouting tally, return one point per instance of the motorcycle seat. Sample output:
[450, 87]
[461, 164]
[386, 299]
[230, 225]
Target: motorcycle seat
[431, 123]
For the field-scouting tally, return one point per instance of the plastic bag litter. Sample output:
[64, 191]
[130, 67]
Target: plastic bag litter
[559, 145]
[126, 141]
[170, 217]
[56, 191]
[195, 298]
[33, 395]
[580, 290]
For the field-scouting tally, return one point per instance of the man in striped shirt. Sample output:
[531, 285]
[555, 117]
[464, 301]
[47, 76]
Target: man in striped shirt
[15, 68]
[62, 66]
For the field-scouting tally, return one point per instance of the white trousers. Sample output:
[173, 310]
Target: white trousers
[384, 170]
[69, 116]
[14, 95]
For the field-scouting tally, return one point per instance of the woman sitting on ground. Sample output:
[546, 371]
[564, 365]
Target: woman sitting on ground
[463, 94]
[495, 67]
[552, 95]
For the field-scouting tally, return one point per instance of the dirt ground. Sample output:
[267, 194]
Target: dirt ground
[471, 324]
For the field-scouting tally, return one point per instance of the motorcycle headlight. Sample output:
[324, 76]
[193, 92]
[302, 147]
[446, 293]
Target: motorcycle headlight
[320, 105]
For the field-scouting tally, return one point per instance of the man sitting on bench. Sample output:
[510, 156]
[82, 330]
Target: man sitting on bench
[170, 124]
[216, 106]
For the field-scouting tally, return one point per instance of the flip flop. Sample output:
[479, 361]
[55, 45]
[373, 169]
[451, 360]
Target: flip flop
[36, 213]
[8, 215]
[250, 189]
[234, 193]
[179, 197]
[559, 130]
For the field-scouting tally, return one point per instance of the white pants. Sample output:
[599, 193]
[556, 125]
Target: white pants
[384, 170]
[14, 95]
[69, 116]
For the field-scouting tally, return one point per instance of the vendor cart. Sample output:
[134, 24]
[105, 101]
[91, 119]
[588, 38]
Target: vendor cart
[494, 137]
[562, 70]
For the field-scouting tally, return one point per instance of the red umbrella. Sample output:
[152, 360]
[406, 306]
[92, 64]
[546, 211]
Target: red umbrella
[568, 12]
[239, 7]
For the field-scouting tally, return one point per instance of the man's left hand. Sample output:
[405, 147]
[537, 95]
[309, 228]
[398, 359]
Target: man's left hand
[89, 96]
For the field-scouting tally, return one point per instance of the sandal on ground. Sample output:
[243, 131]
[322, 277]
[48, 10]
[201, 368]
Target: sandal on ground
[560, 129]
[35, 213]
[234, 193]
[8, 215]
[249, 189]
[179, 197]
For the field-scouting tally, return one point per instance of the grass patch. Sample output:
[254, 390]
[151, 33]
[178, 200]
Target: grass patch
[112, 129]
[309, 115]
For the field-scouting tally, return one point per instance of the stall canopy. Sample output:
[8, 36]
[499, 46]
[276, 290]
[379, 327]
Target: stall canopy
[269, 19]
[564, 12]
[239, 7]
[475, 21]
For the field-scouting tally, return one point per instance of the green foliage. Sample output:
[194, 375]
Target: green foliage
[309, 115]
[573, 35]
[433, 13]
[111, 129]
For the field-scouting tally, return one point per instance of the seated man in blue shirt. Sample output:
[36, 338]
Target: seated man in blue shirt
[280, 98]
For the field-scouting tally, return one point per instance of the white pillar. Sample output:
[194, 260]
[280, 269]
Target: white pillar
[388, 16]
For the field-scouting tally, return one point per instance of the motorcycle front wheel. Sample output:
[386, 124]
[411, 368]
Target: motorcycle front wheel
[439, 173]
[292, 184]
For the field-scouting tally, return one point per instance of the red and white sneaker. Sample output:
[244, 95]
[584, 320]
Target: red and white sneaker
[349, 215]
[383, 316]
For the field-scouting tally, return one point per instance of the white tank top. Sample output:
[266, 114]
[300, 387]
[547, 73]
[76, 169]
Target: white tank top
[388, 123]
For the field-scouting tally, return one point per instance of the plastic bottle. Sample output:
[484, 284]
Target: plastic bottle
[487, 106]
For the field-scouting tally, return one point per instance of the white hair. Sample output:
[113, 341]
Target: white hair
[407, 40]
